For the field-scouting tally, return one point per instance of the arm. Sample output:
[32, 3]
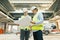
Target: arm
[40, 17]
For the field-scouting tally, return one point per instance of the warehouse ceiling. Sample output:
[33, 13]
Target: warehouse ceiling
[5, 7]
[13, 7]
[40, 4]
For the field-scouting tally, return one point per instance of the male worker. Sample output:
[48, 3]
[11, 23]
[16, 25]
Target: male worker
[37, 20]
[25, 31]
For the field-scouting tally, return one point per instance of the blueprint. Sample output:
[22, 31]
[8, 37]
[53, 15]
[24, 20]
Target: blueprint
[24, 22]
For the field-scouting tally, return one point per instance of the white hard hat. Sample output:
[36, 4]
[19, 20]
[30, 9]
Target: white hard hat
[25, 9]
[33, 7]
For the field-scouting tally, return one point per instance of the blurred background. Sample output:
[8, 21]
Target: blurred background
[11, 12]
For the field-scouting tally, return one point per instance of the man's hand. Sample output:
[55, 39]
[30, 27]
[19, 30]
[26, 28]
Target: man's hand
[30, 28]
[32, 22]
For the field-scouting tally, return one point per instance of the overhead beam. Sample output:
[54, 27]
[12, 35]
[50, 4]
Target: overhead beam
[4, 10]
[7, 5]
[55, 6]
[7, 17]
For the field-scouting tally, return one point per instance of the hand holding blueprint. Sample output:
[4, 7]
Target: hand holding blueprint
[24, 22]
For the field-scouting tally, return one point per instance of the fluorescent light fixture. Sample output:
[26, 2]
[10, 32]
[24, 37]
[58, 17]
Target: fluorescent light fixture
[31, 1]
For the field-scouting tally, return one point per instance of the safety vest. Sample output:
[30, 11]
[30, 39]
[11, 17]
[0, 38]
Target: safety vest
[28, 28]
[38, 26]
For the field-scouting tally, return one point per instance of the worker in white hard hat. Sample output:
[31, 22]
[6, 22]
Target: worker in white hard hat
[38, 26]
[24, 35]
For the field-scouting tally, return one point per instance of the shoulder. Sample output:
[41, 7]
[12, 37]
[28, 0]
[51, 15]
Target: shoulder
[22, 16]
[40, 13]
[28, 16]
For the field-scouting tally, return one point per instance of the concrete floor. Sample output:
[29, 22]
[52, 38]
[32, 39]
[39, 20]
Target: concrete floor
[16, 37]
